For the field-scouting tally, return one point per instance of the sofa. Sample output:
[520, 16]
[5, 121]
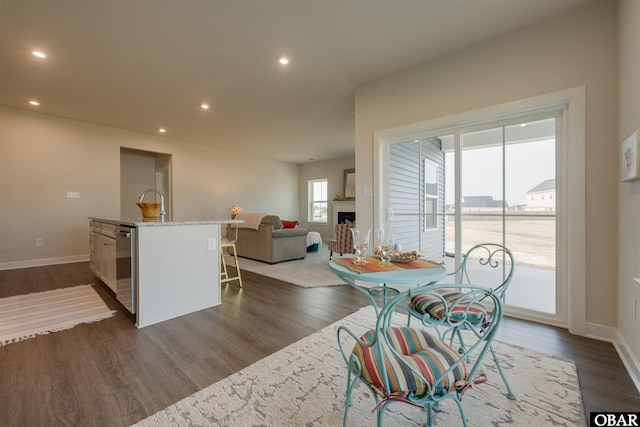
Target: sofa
[268, 240]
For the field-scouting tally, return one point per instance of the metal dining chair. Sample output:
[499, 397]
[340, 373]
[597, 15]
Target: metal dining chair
[416, 365]
[489, 264]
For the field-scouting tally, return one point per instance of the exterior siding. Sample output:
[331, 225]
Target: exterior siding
[406, 186]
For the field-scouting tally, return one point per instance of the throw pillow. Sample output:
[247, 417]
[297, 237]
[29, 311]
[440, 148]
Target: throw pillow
[289, 224]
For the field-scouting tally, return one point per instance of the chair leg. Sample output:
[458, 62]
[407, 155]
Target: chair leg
[348, 402]
[428, 408]
[225, 274]
[235, 259]
[510, 394]
[461, 349]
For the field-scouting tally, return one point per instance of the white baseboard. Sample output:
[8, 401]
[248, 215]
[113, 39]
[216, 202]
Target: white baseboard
[601, 333]
[628, 359]
[43, 261]
[612, 335]
[605, 333]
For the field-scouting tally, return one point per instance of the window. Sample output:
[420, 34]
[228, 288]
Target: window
[430, 195]
[318, 200]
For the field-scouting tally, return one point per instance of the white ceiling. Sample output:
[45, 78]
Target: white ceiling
[145, 64]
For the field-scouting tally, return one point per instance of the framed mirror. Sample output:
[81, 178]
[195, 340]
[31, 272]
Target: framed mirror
[349, 184]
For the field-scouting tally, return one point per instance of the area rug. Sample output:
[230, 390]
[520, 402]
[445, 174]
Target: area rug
[304, 385]
[312, 271]
[26, 316]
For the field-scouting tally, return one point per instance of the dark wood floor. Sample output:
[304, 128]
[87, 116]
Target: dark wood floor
[111, 374]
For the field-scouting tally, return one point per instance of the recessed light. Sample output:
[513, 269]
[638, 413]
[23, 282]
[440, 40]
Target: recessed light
[34, 103]
[162, 130]
[204, 106]
[39, 54]
[283, 60]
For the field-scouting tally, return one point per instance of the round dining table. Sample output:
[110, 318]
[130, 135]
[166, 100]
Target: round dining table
[384, 278]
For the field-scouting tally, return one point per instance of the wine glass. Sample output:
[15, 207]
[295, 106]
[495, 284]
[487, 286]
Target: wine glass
[360, 244]
[386, 241]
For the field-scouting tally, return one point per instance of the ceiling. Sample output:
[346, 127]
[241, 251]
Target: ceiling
[146, 64]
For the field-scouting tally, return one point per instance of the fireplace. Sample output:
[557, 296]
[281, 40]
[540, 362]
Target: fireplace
[344, 211]
[346, 217]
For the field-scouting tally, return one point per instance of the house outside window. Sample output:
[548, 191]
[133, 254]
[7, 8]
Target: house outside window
[317, 200]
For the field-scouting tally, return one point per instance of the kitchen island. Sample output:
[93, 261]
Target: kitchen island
[158, 269]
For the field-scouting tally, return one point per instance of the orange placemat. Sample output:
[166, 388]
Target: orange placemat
[375, 265]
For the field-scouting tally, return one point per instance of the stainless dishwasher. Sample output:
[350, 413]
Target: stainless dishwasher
[126, 265]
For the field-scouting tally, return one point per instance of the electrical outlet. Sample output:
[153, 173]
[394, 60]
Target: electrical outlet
[73, 194]
[212, 244]
[39, 242]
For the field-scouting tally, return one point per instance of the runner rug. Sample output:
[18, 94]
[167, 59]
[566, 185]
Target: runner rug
[304, 385]
[26, 316]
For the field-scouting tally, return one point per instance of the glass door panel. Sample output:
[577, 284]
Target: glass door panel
[508, 197]
[530, 230]
[416, 195]
[482, 188]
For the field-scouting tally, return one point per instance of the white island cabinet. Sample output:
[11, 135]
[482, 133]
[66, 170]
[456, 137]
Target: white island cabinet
[175, 266]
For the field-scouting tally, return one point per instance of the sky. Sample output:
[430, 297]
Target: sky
[527, 165]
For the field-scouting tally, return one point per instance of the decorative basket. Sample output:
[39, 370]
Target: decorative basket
[149, 210]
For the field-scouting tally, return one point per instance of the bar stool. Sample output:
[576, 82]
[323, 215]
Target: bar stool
[229, 245]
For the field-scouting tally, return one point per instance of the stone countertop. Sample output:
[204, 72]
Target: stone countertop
[145, 222]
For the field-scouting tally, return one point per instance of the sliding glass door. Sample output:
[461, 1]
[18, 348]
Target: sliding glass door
[494, 183]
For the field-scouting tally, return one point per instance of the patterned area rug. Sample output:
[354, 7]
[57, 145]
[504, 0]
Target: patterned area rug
[312, 271]
[26, 316]
[304, 385]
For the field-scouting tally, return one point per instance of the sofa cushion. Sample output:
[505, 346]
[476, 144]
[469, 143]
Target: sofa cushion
[273, 220]
[289, 224]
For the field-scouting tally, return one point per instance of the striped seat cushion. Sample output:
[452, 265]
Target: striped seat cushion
[419, 349]
[433, 306]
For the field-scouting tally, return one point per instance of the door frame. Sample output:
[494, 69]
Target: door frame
[571, 167]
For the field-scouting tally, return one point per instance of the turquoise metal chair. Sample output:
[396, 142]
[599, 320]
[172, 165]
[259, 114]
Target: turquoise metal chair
[489, 264]
[400, 364]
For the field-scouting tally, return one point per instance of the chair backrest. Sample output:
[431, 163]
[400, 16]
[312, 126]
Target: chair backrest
[488, 264]
[418, 363]
[231, 235]
[344, 238]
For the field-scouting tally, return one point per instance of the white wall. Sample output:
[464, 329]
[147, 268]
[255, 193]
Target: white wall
[572, 50]
[137, 173]
[629, 212]
[333, 171]
[42, 157]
